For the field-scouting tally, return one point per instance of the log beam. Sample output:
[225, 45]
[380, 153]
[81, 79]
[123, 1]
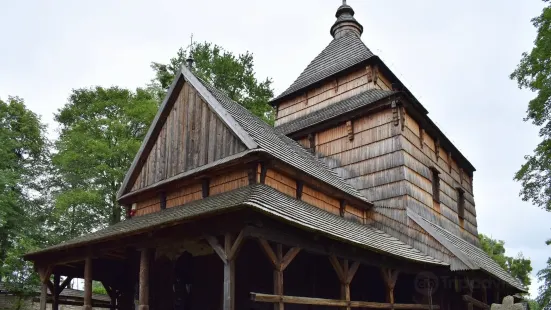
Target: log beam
[258, 297]
[475, 302]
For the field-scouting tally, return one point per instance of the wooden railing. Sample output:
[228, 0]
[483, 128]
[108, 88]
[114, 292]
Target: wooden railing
[259, 297]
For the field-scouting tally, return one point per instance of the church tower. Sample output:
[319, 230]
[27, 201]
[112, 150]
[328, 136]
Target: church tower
[349, 109]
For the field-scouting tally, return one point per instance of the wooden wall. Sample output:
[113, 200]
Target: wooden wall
[186, 193]
[288, 186]
[192, 136]
[419, 156]
[330, 92]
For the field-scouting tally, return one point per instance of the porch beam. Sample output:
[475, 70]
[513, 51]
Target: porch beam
[259, 297]
[88, 283]
[228, 254]
[390, 277]
[346, 274]
[280, 263]
[44, 273]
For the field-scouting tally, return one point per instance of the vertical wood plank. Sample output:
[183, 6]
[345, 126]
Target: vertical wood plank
[43, 296]
[55, 293]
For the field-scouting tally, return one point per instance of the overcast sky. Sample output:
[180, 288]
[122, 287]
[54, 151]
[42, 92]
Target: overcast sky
[455, 56]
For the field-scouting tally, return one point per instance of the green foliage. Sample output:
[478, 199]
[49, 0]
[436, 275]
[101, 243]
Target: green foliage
[233, 74]
[534, 73]
[98, 288]
[519, 267]
[101, 130]
[544, 291]
[23, 162]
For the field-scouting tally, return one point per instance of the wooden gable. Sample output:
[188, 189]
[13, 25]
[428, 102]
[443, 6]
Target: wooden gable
[189, 131]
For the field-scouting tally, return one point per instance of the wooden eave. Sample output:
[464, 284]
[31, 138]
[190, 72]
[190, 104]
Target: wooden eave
[343, 118]
[243, 159]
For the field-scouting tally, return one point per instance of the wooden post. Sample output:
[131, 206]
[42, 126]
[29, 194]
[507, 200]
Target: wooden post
[390, 276]
[345, 275]
[144, 279]
[88, 283]
[44, 274]
[470, 286]
[228, 254]
[280, 263]
[55, 293]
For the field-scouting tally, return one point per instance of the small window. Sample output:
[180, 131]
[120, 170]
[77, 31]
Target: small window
[460, 203]
[435, 184]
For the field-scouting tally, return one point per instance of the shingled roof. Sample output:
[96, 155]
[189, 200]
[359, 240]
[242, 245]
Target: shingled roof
[471, 255]
[334, 110]
[341, 53]
[266, 200]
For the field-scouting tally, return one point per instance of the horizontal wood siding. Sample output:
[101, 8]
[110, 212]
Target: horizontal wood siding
[228, 182]
[419, 156]
[192, 136]
[330, 92]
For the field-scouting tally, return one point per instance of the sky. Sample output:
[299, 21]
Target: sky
[455, 57]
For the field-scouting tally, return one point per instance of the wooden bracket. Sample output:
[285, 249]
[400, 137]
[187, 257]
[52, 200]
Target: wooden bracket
[350, 130]
[312, 141]
[300, 185]
[369, 73]
[263, 171]
[395, 113]
[342, 208]
[375, 74]
[346, 274]
[450, 162]
[205, 188]
[437, 149]
[162, 200]
[421, 137]
[251, 175]
[231, 248]
[390, 277]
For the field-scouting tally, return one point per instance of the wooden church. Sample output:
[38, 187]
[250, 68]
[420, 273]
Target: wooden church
[355, 199]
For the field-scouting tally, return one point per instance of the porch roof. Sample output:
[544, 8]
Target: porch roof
[266, 200]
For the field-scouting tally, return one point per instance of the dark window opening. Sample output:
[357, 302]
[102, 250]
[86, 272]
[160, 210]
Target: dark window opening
[435, 184]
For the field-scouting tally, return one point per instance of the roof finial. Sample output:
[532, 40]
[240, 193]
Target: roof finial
[346, 23]
[189, 59]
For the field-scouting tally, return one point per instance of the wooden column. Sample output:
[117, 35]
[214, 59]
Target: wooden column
[55, 293]
[44, 274]
[470, 287]
[227, 254]
[390, 276]
[145, 256]
[88, 283]
[346, 275]
[280, 263]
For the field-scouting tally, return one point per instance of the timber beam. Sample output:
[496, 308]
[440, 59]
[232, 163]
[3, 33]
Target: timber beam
[258, 297]
[475, 302]
[280, 263]
[390, 277]
[228, 254]
[345, 274]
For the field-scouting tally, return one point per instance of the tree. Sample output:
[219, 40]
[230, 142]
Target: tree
[101, 130]
[23, 161]
[534, 73]
[519, 267]
[232, 74]
[544, 291]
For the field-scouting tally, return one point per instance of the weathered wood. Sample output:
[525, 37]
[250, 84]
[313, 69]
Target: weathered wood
[213, 242]
[205, 186]
[390, 276]
[475, 302]
[346, 274]
[88, 283]
[55, 292]
[268, 250]
[259, 297]
[145, 257]
[298, 193]
[43, 295]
